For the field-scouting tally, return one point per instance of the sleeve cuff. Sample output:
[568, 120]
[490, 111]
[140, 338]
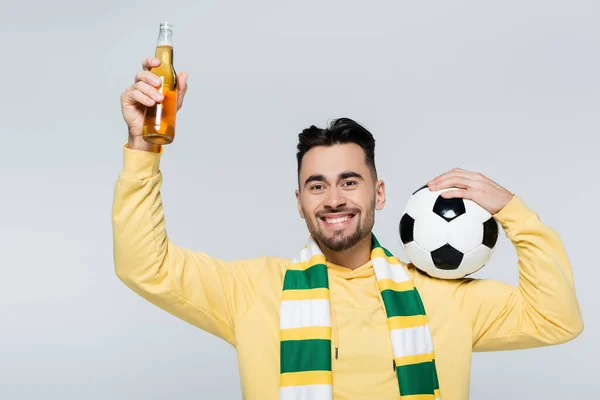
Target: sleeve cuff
[139, 164]
[514, 214]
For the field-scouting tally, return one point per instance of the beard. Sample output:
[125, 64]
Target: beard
[341, 240]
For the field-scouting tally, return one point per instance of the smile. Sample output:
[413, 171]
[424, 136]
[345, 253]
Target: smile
[338, 219]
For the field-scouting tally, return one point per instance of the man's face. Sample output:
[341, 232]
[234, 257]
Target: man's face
[338, 195]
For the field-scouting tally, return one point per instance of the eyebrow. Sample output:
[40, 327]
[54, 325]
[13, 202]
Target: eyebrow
[341, 177]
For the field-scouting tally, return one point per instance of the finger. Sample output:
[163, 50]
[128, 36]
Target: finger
[134, 96]
[150, 62]
[182, 85]
[447, 174]
[436, 183]
[439, 182]
[148, 77]
[149, 91]
[456, 193]
[454, 181]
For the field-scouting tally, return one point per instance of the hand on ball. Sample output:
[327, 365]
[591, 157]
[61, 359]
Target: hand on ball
[473, 186]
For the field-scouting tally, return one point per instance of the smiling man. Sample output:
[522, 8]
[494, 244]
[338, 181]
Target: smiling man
[343, 319]
[339, 203]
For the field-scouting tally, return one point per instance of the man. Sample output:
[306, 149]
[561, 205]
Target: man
[344, 319]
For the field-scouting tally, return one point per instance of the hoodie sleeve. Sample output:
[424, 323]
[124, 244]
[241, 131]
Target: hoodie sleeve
[543, 309]
[204, 291]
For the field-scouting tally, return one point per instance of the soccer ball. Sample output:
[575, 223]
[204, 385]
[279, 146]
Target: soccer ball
[446, 238]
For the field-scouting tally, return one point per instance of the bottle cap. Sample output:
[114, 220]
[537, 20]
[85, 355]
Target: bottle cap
[166, 25]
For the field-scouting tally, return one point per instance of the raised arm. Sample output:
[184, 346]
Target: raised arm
[204, 291]
[543, 309]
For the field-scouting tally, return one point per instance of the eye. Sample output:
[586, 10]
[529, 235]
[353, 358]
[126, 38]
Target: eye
[316, 187]
[350, 183]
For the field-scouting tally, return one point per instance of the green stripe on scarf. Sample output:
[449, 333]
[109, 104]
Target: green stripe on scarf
[311, 278]
[436, 383]
[402, 304]
[305, 355]
[416, 378]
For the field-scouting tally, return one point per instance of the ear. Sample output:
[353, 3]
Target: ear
[299, 204]
[379, 195]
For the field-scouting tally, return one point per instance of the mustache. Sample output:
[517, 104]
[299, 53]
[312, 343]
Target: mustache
[354, 211]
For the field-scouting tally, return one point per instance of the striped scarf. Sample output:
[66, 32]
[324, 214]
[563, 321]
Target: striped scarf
[305, 328]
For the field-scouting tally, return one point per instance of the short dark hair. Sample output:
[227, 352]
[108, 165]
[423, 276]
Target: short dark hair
[339, 131]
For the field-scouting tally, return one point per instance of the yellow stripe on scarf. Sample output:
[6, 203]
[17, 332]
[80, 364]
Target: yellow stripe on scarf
[304, 265]
[407, 322]
[418, 397]
[309, 332]
[416, 359]
[306, 378]
[395, 286]
[378, 252]
[306, 294]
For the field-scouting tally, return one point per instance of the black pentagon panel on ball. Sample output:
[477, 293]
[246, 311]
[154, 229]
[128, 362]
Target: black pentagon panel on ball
[449, 208]
[446, 258]
[419, 189]
[407, 224]
[490, 232]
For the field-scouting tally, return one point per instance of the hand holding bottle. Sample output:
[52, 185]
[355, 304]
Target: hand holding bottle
[143, 94]
[149, 105]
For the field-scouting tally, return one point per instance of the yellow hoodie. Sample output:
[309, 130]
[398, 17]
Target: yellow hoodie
[238, 301]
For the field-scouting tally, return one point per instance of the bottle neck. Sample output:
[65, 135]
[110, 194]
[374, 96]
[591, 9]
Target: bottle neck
[164, 54]
[165, 37]
[164, 47]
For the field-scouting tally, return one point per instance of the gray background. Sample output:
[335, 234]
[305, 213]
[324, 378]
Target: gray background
[510, 89]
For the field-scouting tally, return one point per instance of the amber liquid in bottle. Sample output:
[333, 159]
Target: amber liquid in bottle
[159, 122]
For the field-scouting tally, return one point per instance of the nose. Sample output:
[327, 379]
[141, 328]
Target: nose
[335, 198]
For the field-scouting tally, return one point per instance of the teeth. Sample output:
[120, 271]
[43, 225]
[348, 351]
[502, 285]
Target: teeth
[337, 220]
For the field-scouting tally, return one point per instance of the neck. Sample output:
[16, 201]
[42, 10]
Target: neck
[354, 257]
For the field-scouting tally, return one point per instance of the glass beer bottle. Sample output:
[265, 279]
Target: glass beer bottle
[159, 123]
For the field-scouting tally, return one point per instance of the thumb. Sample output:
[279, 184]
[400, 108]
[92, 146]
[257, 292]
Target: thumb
[182, 83]
[181, 88]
